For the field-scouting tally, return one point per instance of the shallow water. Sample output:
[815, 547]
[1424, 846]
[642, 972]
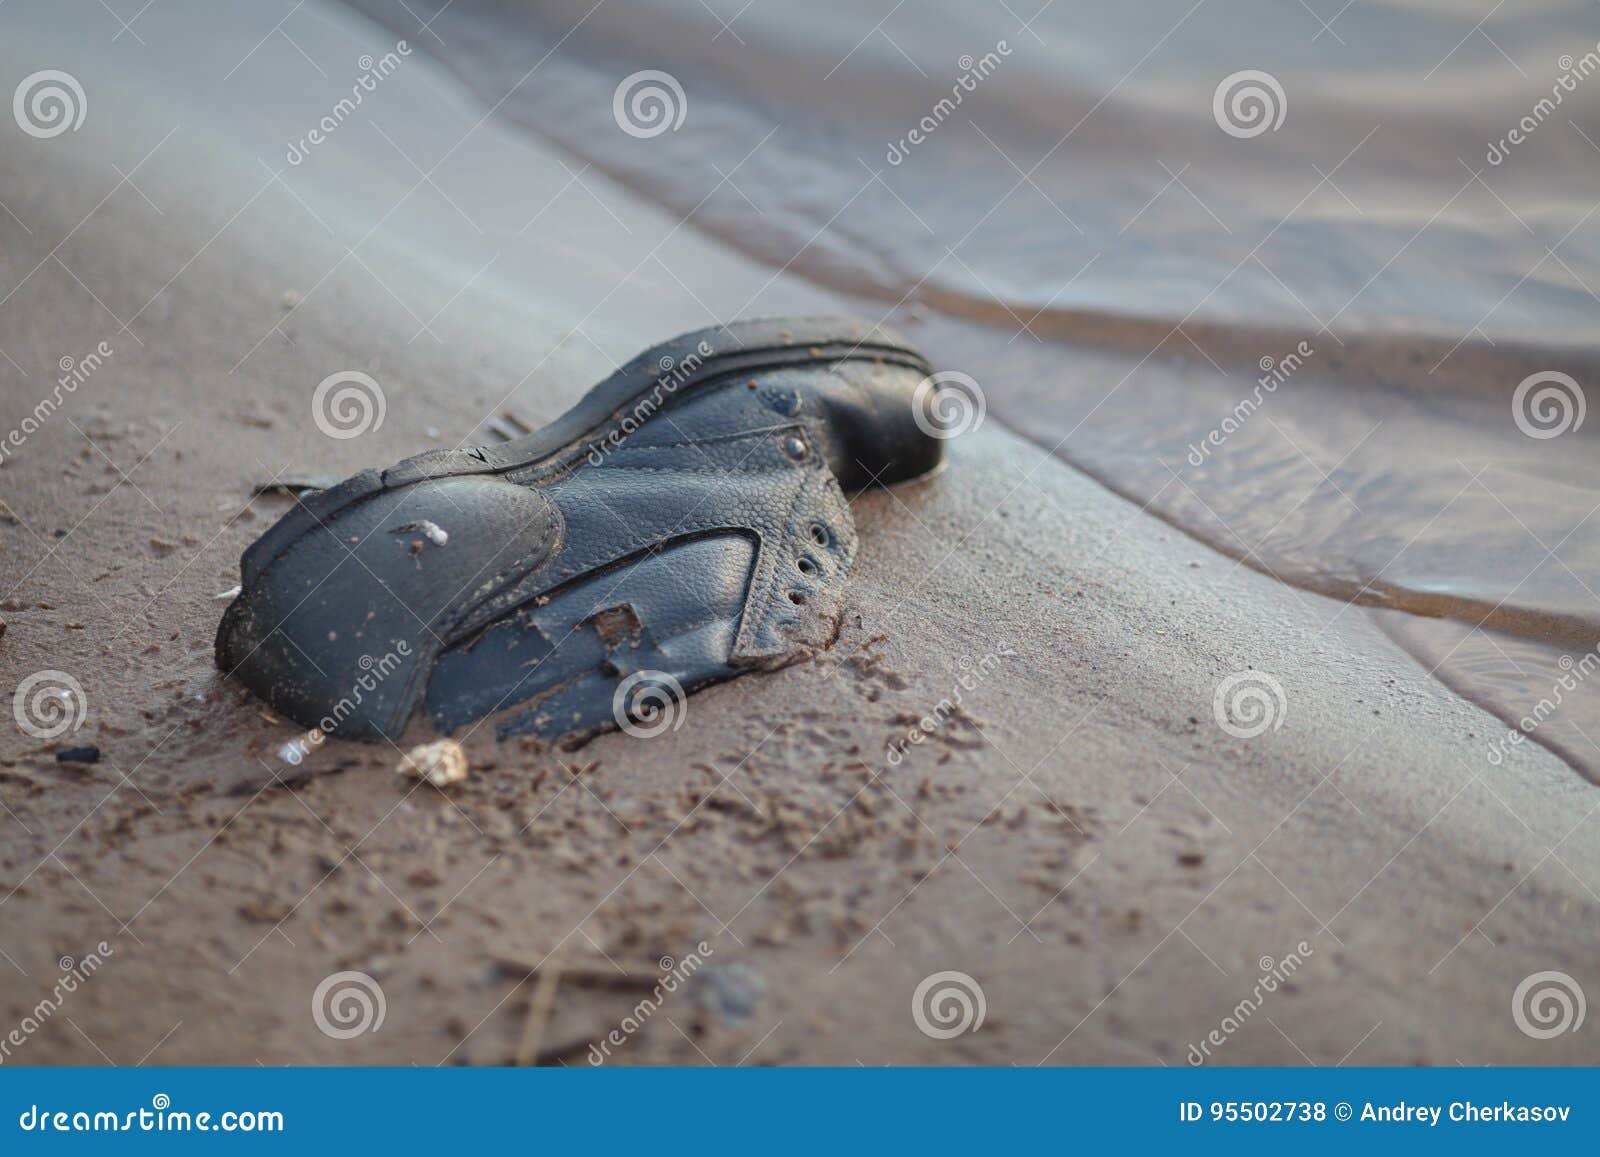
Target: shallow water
[1302, 345]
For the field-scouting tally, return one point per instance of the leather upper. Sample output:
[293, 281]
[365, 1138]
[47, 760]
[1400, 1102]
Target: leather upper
[389, 570]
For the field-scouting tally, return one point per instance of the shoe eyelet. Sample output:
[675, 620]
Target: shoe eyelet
[820, 535]
[807, 565]
[798, 598]
[795, 447]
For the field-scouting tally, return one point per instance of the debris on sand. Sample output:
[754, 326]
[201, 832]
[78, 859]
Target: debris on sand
[540, 1007]
[294, 487]
[88, 753]
[230, 593]
[507, 427]
[729, 990]
[440, 763]
[301, 746]
[431, 531]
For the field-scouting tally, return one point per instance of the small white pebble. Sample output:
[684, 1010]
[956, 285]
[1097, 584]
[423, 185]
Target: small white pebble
[298, 748]
[440, 763]
[431, 531]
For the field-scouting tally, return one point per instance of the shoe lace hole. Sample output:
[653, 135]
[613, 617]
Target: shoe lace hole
[820, 535]
[798, 598]
[807, 565]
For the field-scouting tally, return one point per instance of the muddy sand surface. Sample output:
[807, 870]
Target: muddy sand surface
[1079, 837]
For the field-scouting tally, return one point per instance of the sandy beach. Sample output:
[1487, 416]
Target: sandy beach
[1080, 838]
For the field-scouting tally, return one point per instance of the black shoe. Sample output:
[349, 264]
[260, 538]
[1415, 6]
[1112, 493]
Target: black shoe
[681, 524]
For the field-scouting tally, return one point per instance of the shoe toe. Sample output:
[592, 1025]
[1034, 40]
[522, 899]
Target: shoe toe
[338, 626]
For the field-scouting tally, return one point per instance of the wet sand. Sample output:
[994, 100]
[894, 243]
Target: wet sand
[1114, 869]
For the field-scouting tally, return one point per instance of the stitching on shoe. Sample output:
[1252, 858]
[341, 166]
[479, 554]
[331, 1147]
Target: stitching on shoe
[781, 468]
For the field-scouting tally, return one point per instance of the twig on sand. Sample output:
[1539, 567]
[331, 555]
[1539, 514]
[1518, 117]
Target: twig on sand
[544, 999]
[583, 974]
